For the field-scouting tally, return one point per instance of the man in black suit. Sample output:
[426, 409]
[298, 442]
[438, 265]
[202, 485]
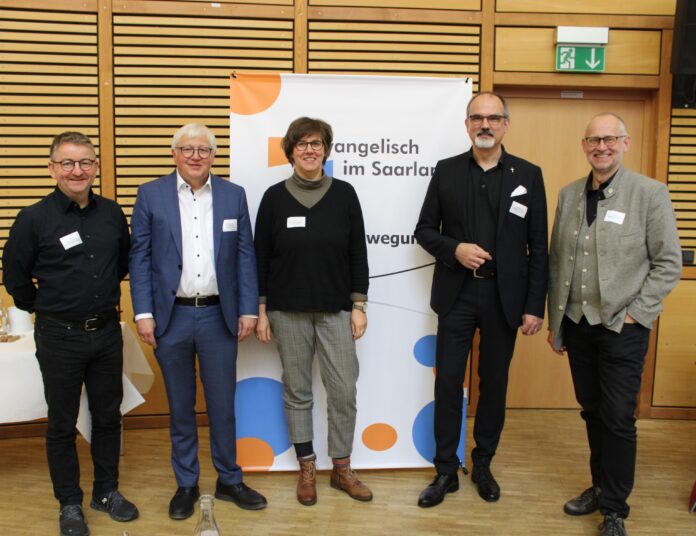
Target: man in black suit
[484, 220]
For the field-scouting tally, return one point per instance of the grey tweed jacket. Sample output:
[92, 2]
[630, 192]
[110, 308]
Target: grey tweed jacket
[638, 250]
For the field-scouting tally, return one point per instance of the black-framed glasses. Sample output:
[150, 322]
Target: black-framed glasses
[609, 141]
[494, 120]
[188, 152]
[314, 144]
[85, 164]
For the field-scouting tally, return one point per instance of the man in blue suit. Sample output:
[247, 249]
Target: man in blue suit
[194, 290]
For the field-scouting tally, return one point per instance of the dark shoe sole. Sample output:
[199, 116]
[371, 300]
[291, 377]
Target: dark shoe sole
[229, 498]
[72, 534]
[570, 512]
[311, 502]
[454, 486]
[122, 519]
[361, 499]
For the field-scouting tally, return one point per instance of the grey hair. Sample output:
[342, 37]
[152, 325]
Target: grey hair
[70, 136]
[506, 110]
[193, 130]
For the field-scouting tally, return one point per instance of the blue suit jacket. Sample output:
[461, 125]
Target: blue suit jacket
[155, 255]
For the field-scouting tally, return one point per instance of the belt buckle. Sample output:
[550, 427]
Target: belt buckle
[202, 298]
[476, 274]
[91, 324]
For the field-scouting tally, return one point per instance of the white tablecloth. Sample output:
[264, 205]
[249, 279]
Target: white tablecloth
[21, 386]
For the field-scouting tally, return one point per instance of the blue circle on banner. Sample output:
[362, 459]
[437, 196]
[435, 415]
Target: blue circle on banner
[424, 350]
[424, 436]
[259, 410]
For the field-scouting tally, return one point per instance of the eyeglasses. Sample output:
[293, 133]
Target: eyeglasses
[493, 120]
[609, 141]
[68, 165]
[314, 144]
[203, 152]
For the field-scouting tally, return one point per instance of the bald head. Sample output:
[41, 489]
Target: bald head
[605, 142]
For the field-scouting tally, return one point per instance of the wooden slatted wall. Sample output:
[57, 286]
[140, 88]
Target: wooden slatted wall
[172, 70]
[388, 48]
[682, 174]
[49, 84]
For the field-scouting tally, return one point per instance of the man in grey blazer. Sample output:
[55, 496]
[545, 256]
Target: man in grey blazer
[615, 255]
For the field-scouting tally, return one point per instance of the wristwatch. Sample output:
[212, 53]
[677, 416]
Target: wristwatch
[360, 306]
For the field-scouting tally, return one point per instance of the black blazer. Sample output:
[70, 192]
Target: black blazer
[522, 270]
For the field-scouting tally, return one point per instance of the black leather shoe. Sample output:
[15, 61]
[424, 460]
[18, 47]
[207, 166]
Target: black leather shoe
[488, 488]
[181, 505]
[612, 525]
[585, 503]
[116, 505]
[435, 493]
[241, 495]
[72, 521]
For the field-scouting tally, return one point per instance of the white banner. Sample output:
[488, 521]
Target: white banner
[389, 132]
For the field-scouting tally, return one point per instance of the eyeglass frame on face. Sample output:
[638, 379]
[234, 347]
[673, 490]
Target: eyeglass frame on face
[494, 120]
[85, 164]
[609, 141]
[196, 150]
[315, 145]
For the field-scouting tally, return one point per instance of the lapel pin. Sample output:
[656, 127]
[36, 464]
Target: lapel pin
[512, 170]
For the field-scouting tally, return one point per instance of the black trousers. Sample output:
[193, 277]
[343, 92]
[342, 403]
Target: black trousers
[607, 369]
[477, 306]
[69, 357]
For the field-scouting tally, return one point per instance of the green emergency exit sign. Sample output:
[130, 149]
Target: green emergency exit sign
[580, 58]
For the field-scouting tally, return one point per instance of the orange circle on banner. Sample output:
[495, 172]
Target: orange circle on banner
[254, 454]
[379, 436]
[253, 93]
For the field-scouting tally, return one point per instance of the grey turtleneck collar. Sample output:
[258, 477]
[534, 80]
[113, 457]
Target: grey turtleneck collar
[308, 193]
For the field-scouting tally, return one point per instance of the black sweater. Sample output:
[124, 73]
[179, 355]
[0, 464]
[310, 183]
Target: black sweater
[313, 265]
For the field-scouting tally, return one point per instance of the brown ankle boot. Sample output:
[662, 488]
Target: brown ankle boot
[344, 478]
[307, 483]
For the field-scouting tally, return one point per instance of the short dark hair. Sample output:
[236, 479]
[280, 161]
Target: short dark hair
[70, 136]
[304, 126]
[506, 110]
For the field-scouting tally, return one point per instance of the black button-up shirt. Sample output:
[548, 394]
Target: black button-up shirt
[484, 191]
[77, 256]
[594, 197]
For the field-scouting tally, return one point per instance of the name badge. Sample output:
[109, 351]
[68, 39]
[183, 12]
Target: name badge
[71, 240]
[518, 209]
[297, 221]
[229, 225]
[614, 216]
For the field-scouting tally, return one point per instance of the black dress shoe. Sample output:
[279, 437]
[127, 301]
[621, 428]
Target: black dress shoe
[585, 503]
[488, 488]
[181, 505]
[435, 493]
[612, 525]
[72, 521]
[241, 495]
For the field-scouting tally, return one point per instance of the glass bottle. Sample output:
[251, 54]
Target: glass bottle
[207, 526]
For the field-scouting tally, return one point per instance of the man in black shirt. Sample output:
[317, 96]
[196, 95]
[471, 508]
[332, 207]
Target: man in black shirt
[74, 244]
[484, 221]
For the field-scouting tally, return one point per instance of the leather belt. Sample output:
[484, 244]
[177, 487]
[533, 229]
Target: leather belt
[484, 273]
[198, 301]
[93, 323]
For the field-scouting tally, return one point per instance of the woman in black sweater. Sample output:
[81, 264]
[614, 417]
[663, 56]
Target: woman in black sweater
[313, 279]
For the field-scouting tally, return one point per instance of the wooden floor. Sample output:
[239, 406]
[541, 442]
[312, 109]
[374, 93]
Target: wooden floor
[541, 462]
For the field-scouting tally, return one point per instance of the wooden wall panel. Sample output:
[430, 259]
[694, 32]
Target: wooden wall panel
[48, 70]
[172, 70]
[600, 7]
[410, 4]
[394, 48]
[675, 365]
[534, 50]
[682, 174]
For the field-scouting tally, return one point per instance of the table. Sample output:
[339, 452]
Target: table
[21, 386]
